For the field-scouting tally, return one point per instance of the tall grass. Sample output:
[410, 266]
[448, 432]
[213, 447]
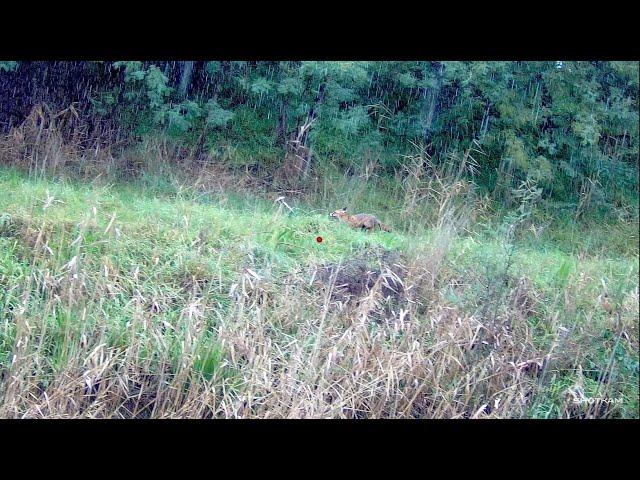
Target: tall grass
[185, 300]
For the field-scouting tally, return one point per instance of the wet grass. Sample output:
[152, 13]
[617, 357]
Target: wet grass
[152, 299]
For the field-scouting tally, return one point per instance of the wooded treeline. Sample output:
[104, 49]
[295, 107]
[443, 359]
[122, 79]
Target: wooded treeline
[569, 127]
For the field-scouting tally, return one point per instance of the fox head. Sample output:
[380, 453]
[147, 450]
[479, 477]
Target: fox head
[339, 213]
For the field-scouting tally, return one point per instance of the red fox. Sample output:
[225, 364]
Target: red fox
[361, 220]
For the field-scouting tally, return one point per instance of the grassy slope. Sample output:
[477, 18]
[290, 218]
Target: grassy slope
[166, 251]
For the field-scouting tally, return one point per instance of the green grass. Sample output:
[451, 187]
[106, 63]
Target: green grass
[153, 247]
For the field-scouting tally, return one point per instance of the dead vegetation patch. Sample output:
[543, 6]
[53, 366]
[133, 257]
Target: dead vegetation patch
[381, 272]
[58, 141]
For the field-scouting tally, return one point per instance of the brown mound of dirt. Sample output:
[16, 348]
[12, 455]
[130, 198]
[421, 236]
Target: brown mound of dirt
[357, 276]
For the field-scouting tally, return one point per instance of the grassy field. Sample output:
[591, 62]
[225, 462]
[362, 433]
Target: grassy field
[120, 301]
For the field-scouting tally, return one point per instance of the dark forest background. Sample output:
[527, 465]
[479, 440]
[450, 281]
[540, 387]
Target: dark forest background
[569, 128]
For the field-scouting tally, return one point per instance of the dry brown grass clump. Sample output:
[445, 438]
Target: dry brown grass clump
[62, 143]
[57, 142]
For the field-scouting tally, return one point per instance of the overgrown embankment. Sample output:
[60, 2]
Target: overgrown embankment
[118, 302]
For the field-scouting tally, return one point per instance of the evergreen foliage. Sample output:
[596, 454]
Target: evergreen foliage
[562, 125]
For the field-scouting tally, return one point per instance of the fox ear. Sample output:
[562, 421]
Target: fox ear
[345, 209]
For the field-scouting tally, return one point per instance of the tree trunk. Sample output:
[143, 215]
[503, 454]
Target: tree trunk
[304, 140]
[313, 113]
[297, 147]
[484, 126]
[281, 132]
[185, 78]
[432, 98]
[203, 135]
